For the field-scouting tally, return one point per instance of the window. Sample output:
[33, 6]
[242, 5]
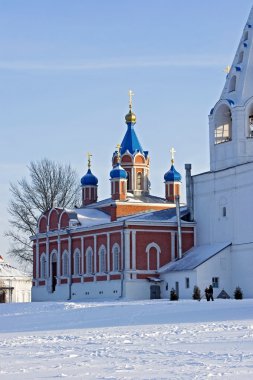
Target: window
[89, 254]
[102, 259]
[65, 264]
[215, 282]
[139, 181]
[187, 282]
[232, 84]
[43, 266]
[115, 252]
[222, 134]
[246, 36]
[224, 212]
[153, 256]
[240, 58]
[77, 262]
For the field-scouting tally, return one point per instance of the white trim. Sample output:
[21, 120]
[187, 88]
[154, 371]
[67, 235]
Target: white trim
[158, 251]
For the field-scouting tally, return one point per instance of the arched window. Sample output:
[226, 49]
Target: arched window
[89, 254]
[240, 57]
[65, 264]
[223, 125]
[153, 256]
[43, 266]
[115, 256]
[232, 84]
[128, 179]
[77, 266]
[139, 181]
[102, 259]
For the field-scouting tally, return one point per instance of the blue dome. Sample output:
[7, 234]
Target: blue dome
[118, 172]
[89, 179]
[172, 175]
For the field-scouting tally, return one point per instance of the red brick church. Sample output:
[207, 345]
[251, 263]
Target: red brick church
[114, 247]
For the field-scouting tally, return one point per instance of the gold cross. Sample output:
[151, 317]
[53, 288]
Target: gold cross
[130, 93]
[172, 152]
[89, 159]
[227, 69]
[118, 146]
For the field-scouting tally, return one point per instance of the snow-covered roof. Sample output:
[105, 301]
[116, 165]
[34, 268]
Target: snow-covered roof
[6, 270]
[91, 217]
[158, 216]
[195, 257]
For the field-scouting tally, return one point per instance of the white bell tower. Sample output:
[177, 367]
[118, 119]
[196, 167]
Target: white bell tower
[231, 119]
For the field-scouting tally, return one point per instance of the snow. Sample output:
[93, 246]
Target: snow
[195, 257]
[6, 270]
[92, 217]
[156, 339]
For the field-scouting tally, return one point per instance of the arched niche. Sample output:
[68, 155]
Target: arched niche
[223, 124]
[232, 84]
[249, 115]
[240, 57]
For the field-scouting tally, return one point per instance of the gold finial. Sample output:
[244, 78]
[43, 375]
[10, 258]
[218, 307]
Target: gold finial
[227, 69]
[118, 146]
[131, 94]
[172, 153]
[89, 155]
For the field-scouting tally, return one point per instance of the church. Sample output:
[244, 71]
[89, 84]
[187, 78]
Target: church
[138, 246]
[114, 247]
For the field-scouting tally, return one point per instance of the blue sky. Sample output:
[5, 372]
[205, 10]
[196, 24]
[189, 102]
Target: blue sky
[66, 68]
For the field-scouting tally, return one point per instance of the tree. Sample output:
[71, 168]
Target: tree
[50, 184]
[238, 294]
[196, 293]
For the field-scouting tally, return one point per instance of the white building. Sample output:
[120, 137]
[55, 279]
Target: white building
[15, 286]
[221, 199]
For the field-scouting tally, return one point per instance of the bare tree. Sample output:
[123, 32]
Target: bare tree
[49, 184]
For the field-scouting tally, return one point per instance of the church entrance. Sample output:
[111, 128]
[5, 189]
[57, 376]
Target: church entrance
[155, 292]
[54, 276]
[54, 271]
[2, 296]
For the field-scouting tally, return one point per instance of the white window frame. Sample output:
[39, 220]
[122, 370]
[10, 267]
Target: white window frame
[158, 252]
[102, 259]
[65, 264]
[88, 260]
[77, 262]
[116, 257]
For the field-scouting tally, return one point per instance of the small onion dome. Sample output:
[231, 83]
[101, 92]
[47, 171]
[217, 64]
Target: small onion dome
[172, 175]
[89, 179]
[118, 172]
[130, 117]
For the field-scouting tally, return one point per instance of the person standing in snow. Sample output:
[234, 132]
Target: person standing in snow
[210, 291]
[207, 294]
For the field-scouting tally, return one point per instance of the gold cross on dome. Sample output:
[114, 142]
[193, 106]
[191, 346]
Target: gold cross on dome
[131, 94]
[118, 146]
[172, 153]
[89, 155]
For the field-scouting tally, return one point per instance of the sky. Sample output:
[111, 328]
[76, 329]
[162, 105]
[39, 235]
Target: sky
[66, 68]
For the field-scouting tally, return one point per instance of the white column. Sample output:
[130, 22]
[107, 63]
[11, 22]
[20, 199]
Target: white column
[48, 258]
[108, 254]
[82, 255]
[121, 251]
[70, 256]
[134, 250]
[133, 178]
[172, 236]
[127, 252]
[58, 260]
[95, 253]
[37, 258]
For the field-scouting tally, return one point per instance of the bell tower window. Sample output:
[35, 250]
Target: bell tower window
[232, 84]
[251, 126]
[139, 181]
[223, 129]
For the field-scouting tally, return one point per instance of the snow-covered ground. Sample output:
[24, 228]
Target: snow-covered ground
[155, 339]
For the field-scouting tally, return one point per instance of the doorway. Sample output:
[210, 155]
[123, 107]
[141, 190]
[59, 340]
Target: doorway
[2, 296]
[155, 292]
[177, 289]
